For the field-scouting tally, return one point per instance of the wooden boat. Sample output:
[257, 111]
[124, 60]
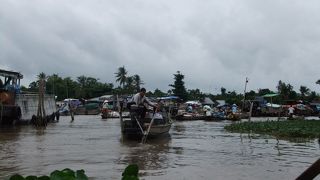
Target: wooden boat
[234, 117]
[189, 117]
[154, 124]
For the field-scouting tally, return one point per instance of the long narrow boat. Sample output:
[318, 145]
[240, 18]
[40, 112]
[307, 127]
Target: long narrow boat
[136, 127]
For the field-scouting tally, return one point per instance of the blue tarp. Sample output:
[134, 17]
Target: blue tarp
[168, 98]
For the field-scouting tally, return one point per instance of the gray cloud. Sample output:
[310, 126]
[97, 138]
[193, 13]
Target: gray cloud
[213, 43]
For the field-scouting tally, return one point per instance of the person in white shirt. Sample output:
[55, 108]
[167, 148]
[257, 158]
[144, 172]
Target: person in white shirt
[290, 111]
[141, 100]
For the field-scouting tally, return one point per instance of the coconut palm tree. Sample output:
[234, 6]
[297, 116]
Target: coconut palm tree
[121, 75]
[41, 114]
[304, 91]
[129, 84]
[137, 82]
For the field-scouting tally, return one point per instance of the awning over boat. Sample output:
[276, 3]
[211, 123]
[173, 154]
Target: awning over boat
[208, 101]
[270, 95]
[168, 97]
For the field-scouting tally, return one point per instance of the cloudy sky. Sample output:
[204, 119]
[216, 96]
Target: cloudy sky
[214, 43]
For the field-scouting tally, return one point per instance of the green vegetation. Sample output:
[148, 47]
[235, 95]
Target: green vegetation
[178, 86]
[66, 174]
[281, 129]
[130, 173]
[89, 87]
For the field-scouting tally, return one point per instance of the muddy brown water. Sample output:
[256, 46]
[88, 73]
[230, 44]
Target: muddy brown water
[193, 150]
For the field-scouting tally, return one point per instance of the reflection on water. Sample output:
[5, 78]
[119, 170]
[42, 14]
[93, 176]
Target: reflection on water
[151, 158]
[193, 150]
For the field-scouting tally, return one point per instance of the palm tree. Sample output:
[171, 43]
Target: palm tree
[41, 114]
[304, 91]
[318, 82]
[82, 80]
[284, 90]
[121, 75]
[137, 82]
[130, 84]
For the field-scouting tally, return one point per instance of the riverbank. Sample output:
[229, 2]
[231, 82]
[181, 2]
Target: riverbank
[281, 129]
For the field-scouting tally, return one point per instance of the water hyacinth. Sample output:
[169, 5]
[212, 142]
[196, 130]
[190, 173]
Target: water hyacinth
[282, 129]
[66, 174]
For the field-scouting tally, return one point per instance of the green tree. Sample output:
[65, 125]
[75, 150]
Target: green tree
[71, 87]
[121, 76]
[159, 93]
[33, 86]
[195, 94]
[262, 92]
[223, 91]
[137, 82]
[53, 84]
[81, 80]
[312, 96]
[129, 86]
[304, 91]
[286, 91]
[250, 95]
[178, 86]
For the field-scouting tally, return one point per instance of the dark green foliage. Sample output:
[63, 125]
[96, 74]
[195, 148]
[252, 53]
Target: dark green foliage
[89, 87]
[31, 178]
[285, 129]
[131, 172]
[17, 177]
[66, 174]
[195, 94]
[43, 178]
[178, 86]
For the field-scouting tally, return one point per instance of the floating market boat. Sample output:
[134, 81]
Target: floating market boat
[154, 124]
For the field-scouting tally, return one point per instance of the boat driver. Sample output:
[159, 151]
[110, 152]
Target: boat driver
[141, 100]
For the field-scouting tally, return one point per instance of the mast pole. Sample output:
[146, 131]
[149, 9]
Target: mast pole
[244, 94]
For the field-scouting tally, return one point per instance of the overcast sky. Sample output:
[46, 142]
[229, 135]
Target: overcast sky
[213, 43]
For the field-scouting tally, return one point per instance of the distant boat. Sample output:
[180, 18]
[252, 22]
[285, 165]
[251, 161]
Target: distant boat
[20, 107]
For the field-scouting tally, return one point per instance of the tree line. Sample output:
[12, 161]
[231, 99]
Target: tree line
[90, 87]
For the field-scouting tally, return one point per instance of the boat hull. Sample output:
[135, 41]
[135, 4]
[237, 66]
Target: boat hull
[9, 114]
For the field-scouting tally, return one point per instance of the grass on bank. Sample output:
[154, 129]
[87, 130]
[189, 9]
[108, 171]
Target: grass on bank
[282, 129]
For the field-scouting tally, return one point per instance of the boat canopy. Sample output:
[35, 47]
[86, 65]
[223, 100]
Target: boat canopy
[270, 95]
[12, 74]
[168, 98]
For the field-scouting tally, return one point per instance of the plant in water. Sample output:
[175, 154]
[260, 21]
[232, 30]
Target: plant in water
[285, 129]
[131, 172]
[66, 174]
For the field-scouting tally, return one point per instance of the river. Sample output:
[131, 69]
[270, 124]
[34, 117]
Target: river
[199, 150]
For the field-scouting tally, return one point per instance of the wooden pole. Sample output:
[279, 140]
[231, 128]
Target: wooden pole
[250, 112]
[311, 172]
[244, 95]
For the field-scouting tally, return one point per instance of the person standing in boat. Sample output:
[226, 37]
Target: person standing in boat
[72, 107]
[291, 111]
[141, 100]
